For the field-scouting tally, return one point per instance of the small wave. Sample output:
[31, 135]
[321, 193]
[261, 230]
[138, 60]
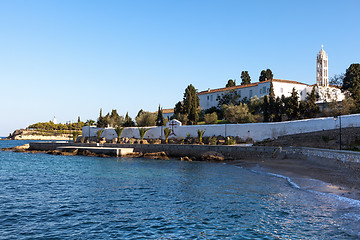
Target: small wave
[294, 185]
[350, 201]
[285, 177]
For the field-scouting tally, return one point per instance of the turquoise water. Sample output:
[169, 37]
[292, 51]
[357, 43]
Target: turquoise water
[73, 197]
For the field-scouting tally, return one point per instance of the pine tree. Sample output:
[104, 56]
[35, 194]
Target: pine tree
[262, 76]
[160, 118]
[245, 78]
[269, 75]
[266, 75]
[351, 82]
[230, 83]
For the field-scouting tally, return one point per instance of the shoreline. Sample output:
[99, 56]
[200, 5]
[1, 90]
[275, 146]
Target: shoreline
[327, 176]
[340, 181]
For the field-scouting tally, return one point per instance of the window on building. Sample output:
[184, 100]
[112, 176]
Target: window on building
[282, 90]
[260, 90]
[250, 93]
[267, 90]
[211, 97]
[208, 98]
[264, 90]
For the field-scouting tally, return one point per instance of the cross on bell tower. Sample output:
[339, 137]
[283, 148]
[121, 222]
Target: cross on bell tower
[322, 78]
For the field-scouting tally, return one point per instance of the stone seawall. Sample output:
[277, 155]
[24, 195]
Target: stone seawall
[321, 156]
[176, 150]
[325, 156]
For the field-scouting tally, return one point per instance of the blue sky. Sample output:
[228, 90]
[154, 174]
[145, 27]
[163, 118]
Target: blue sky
[71, 58]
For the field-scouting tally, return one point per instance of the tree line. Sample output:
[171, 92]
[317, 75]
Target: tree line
[77, 126]
[142, 119]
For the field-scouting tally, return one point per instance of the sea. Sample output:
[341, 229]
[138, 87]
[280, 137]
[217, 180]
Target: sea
[76, 197]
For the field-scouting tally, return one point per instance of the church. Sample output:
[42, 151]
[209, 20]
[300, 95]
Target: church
[326, 92]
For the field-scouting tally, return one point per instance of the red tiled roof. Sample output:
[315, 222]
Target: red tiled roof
[247, 85]
[170, 110]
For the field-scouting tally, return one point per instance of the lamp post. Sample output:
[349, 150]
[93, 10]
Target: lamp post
[335, 118]
[89, 131]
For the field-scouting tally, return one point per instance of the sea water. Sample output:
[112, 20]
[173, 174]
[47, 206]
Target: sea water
[74, 197]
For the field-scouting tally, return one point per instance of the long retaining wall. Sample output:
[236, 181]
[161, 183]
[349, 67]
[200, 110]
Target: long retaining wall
[322, 156]
[176, 150]
[254, 131]
[325, 156]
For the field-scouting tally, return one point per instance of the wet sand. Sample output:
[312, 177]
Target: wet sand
[338, 180]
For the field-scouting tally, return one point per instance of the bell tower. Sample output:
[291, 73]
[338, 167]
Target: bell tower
[322, 78]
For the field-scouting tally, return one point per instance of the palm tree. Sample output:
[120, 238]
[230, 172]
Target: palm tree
[98, 133]
[167, 134]
[119, 131]
[142, 132]
[75, 135]
[200, 133]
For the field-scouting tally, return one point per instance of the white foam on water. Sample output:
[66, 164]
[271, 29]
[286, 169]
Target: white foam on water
[350, 201]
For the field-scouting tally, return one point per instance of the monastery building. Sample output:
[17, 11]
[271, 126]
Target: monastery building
[325, 91]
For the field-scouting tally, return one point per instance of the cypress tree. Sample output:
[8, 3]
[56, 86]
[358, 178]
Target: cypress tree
[271, 102]
[191, 104]
[278, 110]
[312, 108]
[265, 109]
[128, 121]
[292, 108]
[160, 118]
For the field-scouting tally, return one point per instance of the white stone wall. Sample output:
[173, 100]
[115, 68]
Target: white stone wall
[255, 131]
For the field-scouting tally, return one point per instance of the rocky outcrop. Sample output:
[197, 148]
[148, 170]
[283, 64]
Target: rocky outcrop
[212, 156]
[157, 155]
[23, 134]
[65, 153]
[186, 158]
[22, 148]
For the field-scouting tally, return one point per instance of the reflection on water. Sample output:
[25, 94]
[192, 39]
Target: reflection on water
[46, 196]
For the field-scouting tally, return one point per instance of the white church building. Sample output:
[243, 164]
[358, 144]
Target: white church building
[326, 92]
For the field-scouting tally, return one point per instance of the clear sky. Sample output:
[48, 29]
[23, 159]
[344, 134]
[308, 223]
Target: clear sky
[68, 58]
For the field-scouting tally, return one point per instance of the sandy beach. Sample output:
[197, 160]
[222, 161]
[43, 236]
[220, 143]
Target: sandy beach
[339, 180]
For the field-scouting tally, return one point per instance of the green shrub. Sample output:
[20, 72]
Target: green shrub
[325, 139]
[238, 113]
[212, 140]
[230, 141]
[211, 118]
[145, 119]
